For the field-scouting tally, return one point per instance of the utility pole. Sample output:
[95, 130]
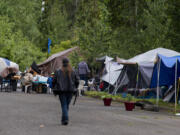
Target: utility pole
[42, 9]
[136, 10]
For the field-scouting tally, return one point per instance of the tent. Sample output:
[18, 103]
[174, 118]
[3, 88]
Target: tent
[166, 73]
[149, 56]
[139, 69]
[104, 58]
[7, 65]
[111, 69]
[54, 62]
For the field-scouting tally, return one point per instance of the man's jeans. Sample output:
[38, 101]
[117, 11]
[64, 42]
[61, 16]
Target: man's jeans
[65, 99]
[84, 77]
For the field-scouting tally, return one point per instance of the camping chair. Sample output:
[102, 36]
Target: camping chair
[81, 86]
[96, 82]
[6, 85]
[27, 87]
[49, 90]
[1, 82]
[91, 84]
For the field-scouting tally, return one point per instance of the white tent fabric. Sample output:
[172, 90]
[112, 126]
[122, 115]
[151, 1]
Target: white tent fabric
[111, 77]
[5, 65]
[113, 71]
[108, 59]
[150, 56]
[102, 59]
[113, 66]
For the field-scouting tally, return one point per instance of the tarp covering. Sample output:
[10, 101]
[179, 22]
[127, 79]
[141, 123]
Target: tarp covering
[145, 74]
[167, 67]
[149, 56]
[113, 70]
[6, 65]
[113, 66]
[104, 58]
[111, 77]
[35, 67]
[54, 62]
[131, 72]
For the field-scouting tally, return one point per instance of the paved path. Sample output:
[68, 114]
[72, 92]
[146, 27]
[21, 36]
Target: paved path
[35, 114]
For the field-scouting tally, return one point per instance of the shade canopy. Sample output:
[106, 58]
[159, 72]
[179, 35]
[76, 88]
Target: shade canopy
[7, 66]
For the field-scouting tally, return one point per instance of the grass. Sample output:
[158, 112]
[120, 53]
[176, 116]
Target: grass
[119, 98]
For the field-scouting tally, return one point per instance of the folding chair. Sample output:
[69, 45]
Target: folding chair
[26, 88]
[81, 86]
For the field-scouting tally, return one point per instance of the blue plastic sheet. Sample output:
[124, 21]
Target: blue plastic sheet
[167, 71]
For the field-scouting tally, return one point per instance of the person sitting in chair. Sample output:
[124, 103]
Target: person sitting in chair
[27, 80]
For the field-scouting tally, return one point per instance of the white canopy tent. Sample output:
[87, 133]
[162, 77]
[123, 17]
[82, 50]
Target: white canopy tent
[6, 65]
[113, 70]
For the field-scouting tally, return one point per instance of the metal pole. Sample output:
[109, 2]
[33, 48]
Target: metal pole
[157, 92]
[109, 76]
[175, 86]
[137, 80]
[116, 87]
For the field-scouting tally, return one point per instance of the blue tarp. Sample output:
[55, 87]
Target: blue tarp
[7, 61]
[167, 71]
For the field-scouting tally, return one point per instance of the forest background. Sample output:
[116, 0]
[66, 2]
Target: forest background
[122, 28]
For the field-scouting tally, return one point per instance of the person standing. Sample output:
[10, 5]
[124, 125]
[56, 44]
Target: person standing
[83, 71]
[66, 82]
[13, 82]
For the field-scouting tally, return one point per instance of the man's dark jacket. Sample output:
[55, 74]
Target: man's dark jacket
[63, 83]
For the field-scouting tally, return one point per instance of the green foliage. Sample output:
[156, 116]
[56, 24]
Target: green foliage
[117, 97]
[121, 28]
[58, 23]
[5, 31]
[141, 26]
[94, 32]
[21, 51]
[61, 47]
[75, 58]
[107, 96]
[25, 15]
[18, 31]
[129, 97]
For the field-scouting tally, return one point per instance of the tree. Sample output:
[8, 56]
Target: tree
[94, 32]
[174, 30]
[15, 46]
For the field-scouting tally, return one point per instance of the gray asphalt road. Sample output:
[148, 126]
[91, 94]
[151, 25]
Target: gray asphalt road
[34, 114]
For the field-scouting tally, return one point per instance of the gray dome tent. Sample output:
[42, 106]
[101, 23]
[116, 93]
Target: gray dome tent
[140, 68]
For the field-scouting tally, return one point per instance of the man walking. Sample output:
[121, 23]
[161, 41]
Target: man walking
[83, 71]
